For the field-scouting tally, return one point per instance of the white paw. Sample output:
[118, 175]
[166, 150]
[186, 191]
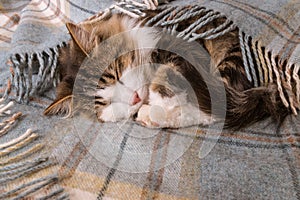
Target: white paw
[115, 112]
[152, 116]
[156, 117]
[143, 117]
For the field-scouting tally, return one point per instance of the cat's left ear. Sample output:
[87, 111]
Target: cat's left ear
[81, 37]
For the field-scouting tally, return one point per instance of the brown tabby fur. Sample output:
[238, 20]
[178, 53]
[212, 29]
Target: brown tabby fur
[245, 104]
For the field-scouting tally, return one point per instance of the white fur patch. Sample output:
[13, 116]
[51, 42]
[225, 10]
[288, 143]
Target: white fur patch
[135, 78]
[166, 102]
[171, 112]
[115, 112]
[121, 94]
[106, 93]
[145, 38]
[138, 79]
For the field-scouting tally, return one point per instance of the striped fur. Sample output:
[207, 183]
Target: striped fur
[115, 94]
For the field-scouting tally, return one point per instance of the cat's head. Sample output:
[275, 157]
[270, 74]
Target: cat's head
[123, 85]
[122, 89]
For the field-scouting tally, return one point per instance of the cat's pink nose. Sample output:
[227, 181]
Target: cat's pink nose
[135, 98]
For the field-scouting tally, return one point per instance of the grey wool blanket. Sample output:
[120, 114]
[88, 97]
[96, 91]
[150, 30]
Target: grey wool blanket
[79, 158]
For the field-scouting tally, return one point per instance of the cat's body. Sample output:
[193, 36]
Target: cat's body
[156, 87]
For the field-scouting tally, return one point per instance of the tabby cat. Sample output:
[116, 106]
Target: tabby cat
[134, 86]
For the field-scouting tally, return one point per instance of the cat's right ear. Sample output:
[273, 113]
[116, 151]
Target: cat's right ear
[81, 37]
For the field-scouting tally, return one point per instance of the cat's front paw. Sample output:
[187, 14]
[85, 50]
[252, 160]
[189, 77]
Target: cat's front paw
[151, 116]
[114, 112]
[155, 116]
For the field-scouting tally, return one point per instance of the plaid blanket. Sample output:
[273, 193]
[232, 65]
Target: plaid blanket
[126, 161]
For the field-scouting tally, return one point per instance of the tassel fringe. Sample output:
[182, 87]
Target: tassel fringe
[19, 159]
[25, 81]
[261, 66]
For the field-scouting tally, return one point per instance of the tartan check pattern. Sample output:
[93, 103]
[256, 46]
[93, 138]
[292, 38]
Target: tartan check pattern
[132, 162]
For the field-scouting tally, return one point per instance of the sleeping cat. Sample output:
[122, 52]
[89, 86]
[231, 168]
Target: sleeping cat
[153, 86]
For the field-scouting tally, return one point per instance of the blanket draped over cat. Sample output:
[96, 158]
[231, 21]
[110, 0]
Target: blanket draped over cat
[268, 41]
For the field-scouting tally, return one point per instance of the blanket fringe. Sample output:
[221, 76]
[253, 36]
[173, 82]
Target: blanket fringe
[33, 74]
[261, 66]
[19, 160]
[7, 124]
